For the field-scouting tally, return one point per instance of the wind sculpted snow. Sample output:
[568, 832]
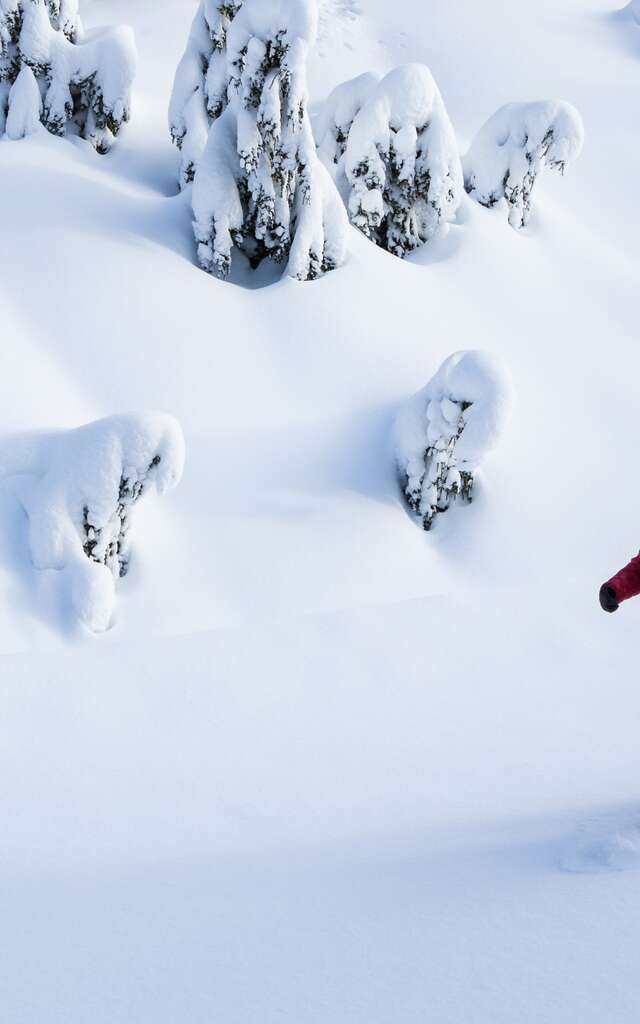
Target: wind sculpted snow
[325, 767]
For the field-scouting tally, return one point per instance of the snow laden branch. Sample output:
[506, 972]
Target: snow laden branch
[443, 433]
[49, 73]
[338, 113]
[514, 145]
[79, 488]
[401, 158]
[259, 184]
[199, 93]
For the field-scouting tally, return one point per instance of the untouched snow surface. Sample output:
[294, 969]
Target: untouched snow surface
[325, 768]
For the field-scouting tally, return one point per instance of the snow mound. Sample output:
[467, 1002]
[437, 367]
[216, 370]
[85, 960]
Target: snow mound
[24, 107]
[78, 489]
[510, 150]
[444, 432]
[402, 162]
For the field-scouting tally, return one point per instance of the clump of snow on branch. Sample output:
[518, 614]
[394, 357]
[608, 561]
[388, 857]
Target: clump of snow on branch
[339, 111]
[402, 162]
[79, 488]
[24, 107]
[444, 432]
[199, 93]
[259, 184]
[49, 72]
[514, 145]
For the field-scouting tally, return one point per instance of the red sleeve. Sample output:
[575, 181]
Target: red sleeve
[626, 583]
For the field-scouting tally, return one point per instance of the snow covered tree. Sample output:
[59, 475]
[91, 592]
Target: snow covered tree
[200, 87]
[514, 145]
[443, 433]
[259, 183]
[78, 489]
[48, 73]
[401, 160]
[338, 113]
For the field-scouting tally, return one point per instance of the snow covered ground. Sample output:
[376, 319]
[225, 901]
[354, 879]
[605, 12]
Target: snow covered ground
[326, 768]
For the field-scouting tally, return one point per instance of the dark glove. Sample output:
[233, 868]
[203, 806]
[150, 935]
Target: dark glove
[608, 600]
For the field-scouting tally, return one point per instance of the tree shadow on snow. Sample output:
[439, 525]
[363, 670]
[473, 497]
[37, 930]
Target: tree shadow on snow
[89, 202]
[286, 472]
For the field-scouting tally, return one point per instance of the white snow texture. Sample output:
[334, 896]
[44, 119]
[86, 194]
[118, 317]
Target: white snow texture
[325, 768]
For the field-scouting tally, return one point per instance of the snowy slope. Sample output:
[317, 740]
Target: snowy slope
[324, 767]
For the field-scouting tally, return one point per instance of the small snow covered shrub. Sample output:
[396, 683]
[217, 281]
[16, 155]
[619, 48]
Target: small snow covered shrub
[401, 159]
[79, 488]
[443, 433]
[259, 183]
[338, 113]
[49, 73]
[200, 87]
[510, 150]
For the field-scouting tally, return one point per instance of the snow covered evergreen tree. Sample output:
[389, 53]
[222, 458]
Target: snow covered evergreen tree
[443, 433]
[48, 73]
[78, 489]
[259, 183]
[200, 87]
[513, 146]
[401, 159]
[338, 113]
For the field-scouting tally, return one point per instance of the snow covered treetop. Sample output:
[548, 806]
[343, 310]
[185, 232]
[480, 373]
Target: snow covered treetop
[509, 151]
[259, 184]
[231, 46]
[338, 113]
[47, 73]
[443, 433]
[402, 161]
[293, 22]
[78, 489]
